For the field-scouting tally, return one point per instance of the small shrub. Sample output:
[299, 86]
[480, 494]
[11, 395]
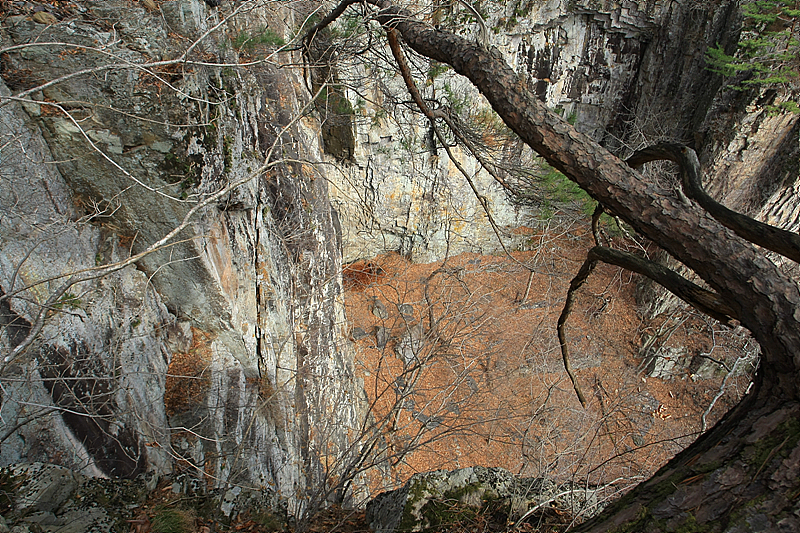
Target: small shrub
[348, 26]
[171, 520]
[437, 69]
[263, 36]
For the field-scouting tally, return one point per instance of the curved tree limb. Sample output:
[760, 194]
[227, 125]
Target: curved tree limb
[327, 21]
[576, 283]
[781, 241]
[688, 233]
[702, 299]
[696, 296]
[598, 211]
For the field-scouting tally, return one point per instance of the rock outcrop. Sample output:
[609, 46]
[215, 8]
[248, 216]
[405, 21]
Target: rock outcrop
[440, 499]
[45, 497]
[40, 497]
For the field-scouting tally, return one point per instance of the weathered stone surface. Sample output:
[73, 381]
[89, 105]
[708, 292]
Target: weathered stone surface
[667, 363]
[382, 335]
[378, 309]
[51, 498]
[106, 330]
[358, 333]
[435, 499]
[46, 487]
[406, 310]
[410, 344]
[249, 297]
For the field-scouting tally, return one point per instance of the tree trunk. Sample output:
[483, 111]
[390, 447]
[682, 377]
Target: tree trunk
[744, 474]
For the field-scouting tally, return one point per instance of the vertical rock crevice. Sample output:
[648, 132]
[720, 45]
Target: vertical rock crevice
[253, 339]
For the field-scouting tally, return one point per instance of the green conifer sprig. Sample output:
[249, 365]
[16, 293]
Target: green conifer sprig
[768, 50]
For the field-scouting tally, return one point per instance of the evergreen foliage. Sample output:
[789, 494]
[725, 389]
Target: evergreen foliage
[768, 50]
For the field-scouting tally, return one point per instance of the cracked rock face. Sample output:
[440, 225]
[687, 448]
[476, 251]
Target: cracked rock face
[222, 353]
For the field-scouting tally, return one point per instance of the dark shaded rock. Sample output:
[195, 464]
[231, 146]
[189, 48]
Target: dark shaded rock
[358, 333]
[430, 422]
[381, 337]
[54, 498]
[49, 498]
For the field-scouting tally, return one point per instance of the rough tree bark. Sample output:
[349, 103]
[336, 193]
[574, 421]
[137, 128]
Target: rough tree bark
[743, 474]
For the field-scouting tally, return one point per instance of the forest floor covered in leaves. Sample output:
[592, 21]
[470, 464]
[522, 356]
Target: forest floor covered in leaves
[462, 359]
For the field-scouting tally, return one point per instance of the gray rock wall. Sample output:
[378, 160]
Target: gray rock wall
[100, 330]
[219, 357]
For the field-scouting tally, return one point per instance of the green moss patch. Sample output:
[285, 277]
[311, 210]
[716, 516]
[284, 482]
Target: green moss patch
[464, 506]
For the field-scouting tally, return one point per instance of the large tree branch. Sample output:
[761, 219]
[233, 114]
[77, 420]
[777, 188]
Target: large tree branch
[691, 293]
[778, 240]
[703, 300]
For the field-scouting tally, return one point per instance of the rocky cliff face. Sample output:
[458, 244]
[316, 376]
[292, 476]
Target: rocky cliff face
[219, 355]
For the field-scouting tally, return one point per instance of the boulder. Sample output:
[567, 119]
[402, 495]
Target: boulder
[382, 335]
[411, 344]
[358, 333]
[379, 309]
[47, 497]
[441, 498]
[406, 310]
